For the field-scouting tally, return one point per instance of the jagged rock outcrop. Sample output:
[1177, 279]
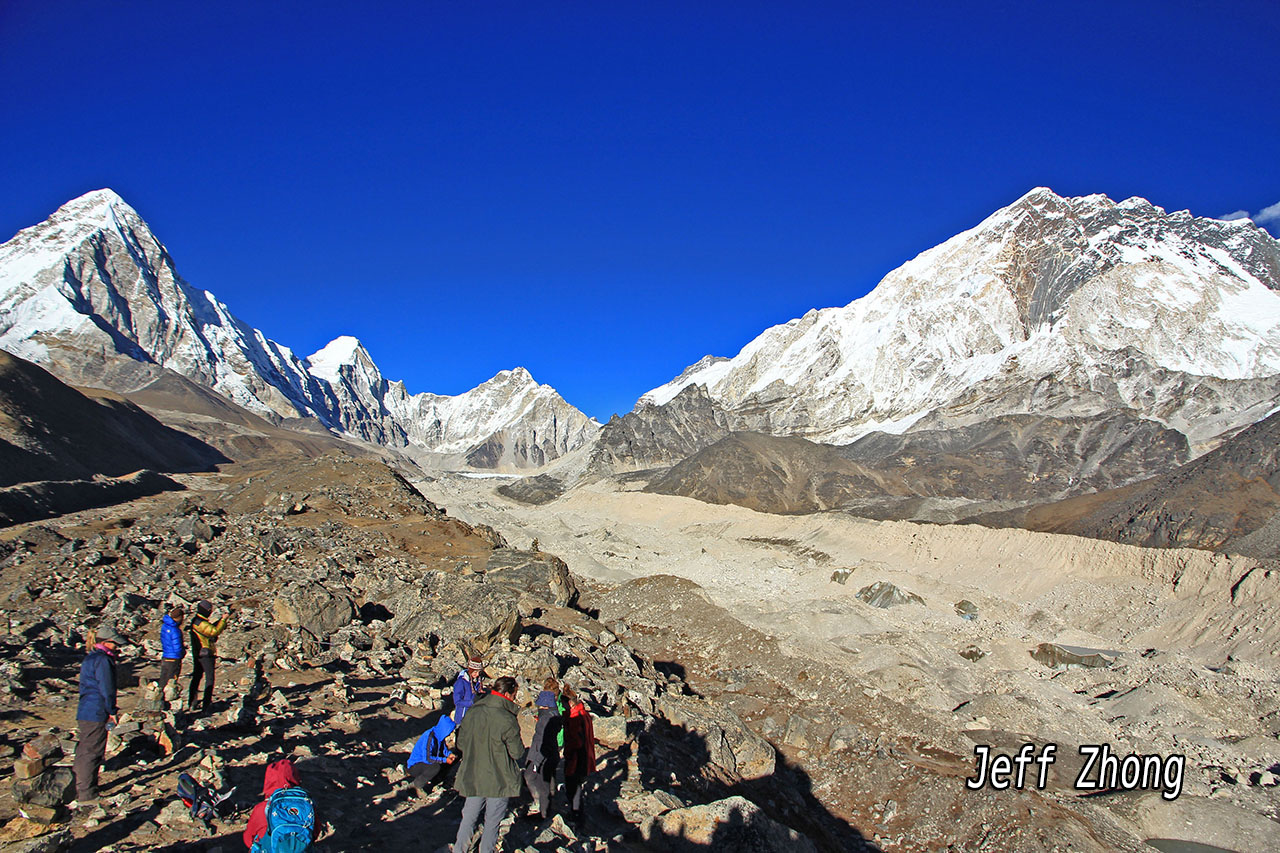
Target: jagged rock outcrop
[1055, 306]
[654, 436]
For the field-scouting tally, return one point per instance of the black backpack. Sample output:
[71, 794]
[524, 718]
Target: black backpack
[205, 805]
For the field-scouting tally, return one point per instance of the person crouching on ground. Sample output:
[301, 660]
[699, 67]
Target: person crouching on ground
[96, 711]
[544, 751]
[204, 651]
[431, 755]
[489, 775]
[171, 646]
[579, 751]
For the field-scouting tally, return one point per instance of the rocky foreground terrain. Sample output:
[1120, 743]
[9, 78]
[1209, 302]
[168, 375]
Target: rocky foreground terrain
[354, 600]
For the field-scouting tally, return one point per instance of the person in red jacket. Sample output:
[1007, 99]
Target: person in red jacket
[579, 751]
[280, 774]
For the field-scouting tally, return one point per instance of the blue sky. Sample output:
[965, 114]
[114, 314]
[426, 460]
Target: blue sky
[605, 192]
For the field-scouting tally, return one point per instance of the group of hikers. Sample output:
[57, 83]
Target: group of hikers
[479, 744]
[96, 712]
[491, 758]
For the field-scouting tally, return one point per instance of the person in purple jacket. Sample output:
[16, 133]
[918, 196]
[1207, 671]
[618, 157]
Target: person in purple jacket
[467, 689]
[96, 711]
[171, 646]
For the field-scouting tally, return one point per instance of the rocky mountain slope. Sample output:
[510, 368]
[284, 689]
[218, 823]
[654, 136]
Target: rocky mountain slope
[50, 431]
[928, 474]
[1067, 307]
[93, 295]
[1228, 499]
[656, 436]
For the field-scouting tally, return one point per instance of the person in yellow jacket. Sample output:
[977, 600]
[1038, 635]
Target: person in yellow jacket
[204, 647]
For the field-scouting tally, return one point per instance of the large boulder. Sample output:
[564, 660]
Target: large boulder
[543, 576]
[466, 612]
[53, 788]
[51, 842]
[734, 823]
[731, 746]
[884, 595]
[314, 608]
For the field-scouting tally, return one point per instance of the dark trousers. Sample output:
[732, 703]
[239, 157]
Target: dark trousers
[169, 668]
[424, 773]
[203, 669]
[540, 784]
[91, 746]
[495, 809]
[573, 789]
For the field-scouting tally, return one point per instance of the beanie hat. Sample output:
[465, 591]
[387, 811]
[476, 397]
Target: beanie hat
[205, 607]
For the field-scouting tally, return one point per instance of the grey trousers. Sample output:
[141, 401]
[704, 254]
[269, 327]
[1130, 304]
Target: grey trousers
[91, 746]
[540, 786]
[169, 668]
[495, 809]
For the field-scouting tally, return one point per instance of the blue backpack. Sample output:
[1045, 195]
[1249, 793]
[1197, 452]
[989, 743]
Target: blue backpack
[291, 820]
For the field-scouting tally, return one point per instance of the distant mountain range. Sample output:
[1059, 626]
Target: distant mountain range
[92, 294]
[1062, 345]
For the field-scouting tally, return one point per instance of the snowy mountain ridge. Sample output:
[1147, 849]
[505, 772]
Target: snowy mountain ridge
[92, 284]
[1051, 305]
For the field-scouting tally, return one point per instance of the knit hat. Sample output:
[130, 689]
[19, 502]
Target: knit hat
[108, 634]
[475, 663]
[546, 699]
[205, 607]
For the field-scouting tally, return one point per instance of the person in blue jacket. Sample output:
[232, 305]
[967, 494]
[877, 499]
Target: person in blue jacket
[171, 646]
[96, 711]
[467, 689]
[431, 755]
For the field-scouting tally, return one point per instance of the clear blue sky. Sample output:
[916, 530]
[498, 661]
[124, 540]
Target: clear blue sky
[605, 192]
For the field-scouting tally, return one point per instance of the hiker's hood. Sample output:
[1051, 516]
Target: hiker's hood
[444, 728]
[280, 774]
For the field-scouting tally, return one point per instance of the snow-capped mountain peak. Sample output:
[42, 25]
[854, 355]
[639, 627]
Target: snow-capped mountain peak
[1049, 304]
[342, 350]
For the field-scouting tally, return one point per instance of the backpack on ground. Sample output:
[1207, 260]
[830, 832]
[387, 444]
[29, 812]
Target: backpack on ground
[205, 805]
[291, 820]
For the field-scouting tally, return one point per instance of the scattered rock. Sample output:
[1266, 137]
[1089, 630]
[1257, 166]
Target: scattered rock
[884, 595]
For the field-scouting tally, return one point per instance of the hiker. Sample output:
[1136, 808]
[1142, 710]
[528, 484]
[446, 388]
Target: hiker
[431, 755]
[489, 775]
[204, 647]
[467, 688]
[544, 752]
[579, 751]
[171, 646]
[285, 813]
[97, 709]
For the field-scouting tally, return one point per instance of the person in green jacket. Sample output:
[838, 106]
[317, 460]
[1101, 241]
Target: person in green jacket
[489, 774]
